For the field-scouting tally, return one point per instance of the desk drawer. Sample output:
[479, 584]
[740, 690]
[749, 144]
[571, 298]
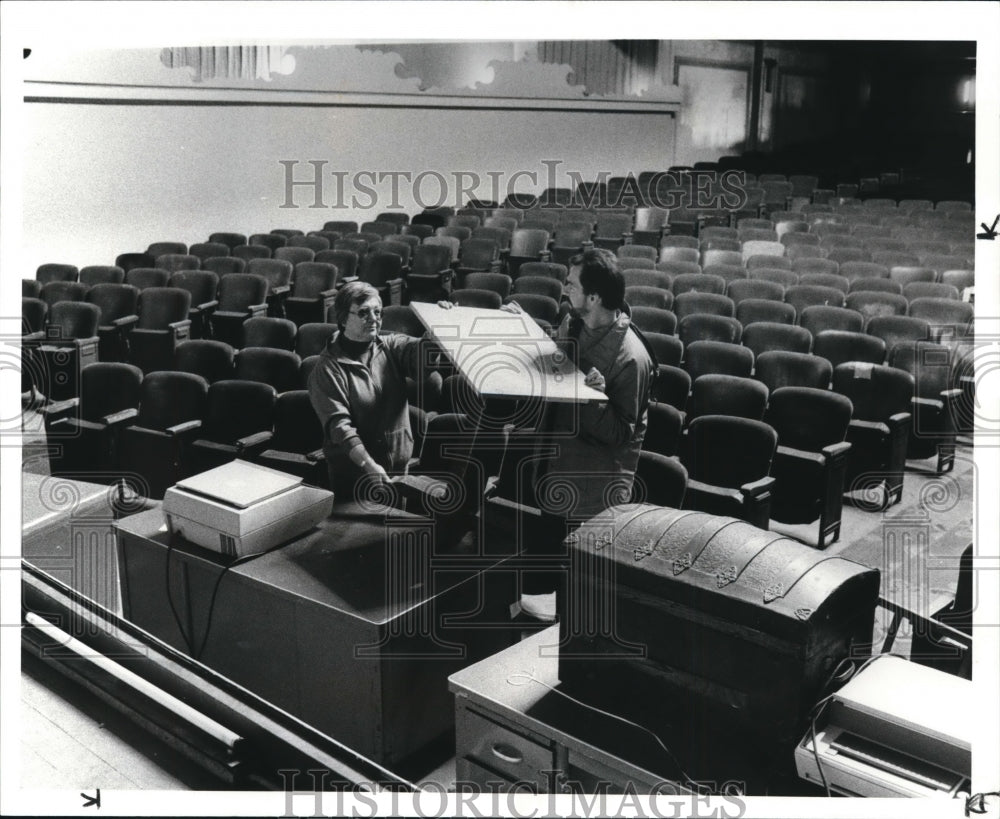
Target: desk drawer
[500, 749]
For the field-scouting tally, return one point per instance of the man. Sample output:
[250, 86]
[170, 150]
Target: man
[597, 444]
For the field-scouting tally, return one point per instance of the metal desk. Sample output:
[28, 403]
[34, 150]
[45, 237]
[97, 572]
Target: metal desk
[353, 627]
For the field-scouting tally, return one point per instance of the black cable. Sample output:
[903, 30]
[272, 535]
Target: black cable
[211, 601]
[170, 600]
[215, 590]
[820, 704]
[530, 677]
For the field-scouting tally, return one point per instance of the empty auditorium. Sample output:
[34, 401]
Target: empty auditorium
[412, 422]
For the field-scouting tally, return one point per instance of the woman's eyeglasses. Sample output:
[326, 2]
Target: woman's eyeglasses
[366, 313]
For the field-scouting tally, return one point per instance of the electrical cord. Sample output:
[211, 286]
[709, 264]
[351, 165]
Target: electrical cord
[530, 677]
[188, 641]
[816, 711]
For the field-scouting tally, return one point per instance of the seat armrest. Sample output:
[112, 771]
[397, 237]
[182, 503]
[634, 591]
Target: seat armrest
[922, 624]
[124, 321]
[758, 488]
[183, 428]
[280, 289]
[327, 294]
[817, 458]
[544, 256]
[56, 408]
[208, 305]
[120, 417]
[871, 426]
[255, 310]
[899, 419]
[255, 441]
[33, 339]
[837, 451]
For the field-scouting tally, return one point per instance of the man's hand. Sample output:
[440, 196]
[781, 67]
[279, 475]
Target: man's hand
[445, 305]
[512, 307]
[594, 379]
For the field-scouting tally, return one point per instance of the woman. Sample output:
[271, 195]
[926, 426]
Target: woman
[358, 389]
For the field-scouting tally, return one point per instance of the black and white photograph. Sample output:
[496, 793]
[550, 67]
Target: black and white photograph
[500, 409]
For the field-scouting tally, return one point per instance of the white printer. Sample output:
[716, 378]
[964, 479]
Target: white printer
[895, 729]
[242, 508]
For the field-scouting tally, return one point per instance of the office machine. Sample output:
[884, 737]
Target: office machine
[716, 635]
[896, 729]
[242, 508]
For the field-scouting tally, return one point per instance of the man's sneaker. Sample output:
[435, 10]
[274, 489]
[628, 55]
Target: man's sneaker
[540, 606]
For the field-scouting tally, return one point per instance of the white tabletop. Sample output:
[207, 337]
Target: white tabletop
[505, 354]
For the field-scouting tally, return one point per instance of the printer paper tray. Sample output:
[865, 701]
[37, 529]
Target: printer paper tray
[855, 766]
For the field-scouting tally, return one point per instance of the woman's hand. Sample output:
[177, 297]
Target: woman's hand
[376, 472]
[445, 305]
[512, 307]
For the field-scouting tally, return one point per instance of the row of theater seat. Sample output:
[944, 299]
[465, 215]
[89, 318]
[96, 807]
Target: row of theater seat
[152, 430]
[802, 235]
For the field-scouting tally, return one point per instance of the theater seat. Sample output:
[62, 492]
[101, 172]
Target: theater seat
[762, 336]
[659, 480]
[70, 344]
[297, 444]
[57, 272]
[86, 435]
[119, 306]
[163, 324]
[312, 292]
[279, 368]
[153, 448]
[878, 432]
[702, 357]
[654, 320]
[241, 296]
[712, 303]
[203, 285]
[645, 296]
[212, 360]
[894, 330]
[932, 432]
[430, 277]
[838, 346]
[731, 395]
[264, 331]
[663, 428]
[811, 459]
[538, 285]
[101, 274]
[277, 273]
[236, 424]
[779, 368]
[499, 283]
[312, 338]
[667, 349]
[707, 327]
[750, 311]
[143, 277]
[671, 386]
[728, 461]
